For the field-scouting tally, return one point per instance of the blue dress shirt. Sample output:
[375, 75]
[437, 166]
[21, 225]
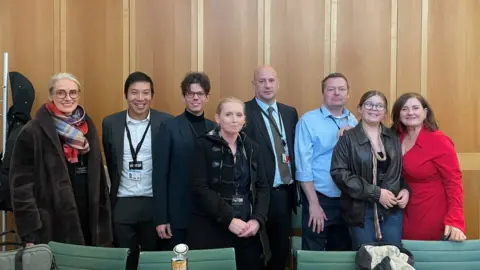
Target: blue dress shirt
[316, 136]
[263, 106]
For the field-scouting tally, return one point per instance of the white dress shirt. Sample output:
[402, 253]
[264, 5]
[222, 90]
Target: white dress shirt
[143, 186]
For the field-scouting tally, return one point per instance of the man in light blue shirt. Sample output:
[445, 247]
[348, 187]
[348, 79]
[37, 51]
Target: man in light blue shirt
[316, 135]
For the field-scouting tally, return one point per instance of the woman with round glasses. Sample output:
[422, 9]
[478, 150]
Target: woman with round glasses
[57, 179]
[366, 167]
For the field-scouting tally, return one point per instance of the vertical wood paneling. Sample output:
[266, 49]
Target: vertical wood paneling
[409, 46]
[327, 42]
[230, 48]
[471, 188]
[424, 52]
[393, 53]
[363, 46]
[94, 54]
[28, 37]
[163, 48]
[298, 35]
[453, 67]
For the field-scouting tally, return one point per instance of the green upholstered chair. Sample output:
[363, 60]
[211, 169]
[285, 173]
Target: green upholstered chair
[296, 237]
[297, 231]
[442, 255]
[197, 259]
[331, 260]
[72, 257]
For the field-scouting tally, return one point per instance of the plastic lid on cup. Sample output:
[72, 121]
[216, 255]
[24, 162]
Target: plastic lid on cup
[180, 249]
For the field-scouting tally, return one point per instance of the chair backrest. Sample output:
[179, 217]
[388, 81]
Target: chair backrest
[197, 259]
[73, 257]
[331, 260]
[444, 254]
[297, 219]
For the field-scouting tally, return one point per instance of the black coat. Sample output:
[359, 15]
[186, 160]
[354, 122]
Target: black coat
[211, 214]
[23, 96]
[351, 170]
[174, 148]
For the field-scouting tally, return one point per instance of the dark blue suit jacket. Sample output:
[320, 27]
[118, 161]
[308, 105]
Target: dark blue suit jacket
[170, 179]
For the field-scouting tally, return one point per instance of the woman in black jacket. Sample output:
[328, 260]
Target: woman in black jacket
[230, 190]
[367, 168]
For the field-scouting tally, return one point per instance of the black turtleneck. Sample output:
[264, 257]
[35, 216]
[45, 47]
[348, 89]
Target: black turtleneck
[197, 122]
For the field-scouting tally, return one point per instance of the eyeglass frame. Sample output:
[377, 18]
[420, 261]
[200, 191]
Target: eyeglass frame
[69, 94]
[190, 94]
[369, 106]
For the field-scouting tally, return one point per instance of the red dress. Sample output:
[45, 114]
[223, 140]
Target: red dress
[432, 171]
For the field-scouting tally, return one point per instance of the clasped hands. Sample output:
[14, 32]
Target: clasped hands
[388, 199]
[244, 229]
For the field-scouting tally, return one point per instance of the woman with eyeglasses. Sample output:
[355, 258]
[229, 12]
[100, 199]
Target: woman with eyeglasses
[57, 179]
[366, 167]
[230, 190]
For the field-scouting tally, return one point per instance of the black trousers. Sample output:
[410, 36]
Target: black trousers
[248, 253]
[179, 237]
[335, 235]
[133, 227]
[279, 225]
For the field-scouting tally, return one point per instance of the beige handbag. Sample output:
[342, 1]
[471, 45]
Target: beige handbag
[37, 257]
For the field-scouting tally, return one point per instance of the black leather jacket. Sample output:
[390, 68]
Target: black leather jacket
[211, 184]
[351, 170]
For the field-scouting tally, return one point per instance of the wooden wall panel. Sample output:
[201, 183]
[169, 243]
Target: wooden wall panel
[230, 48]
[363, 46]
[298, 51]
[94, 53]
[162, 48]
[409, 46]
[453, 68]
[471, 188]
[27, 35]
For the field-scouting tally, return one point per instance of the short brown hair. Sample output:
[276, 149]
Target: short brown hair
[331, 76]
[193, 78]
[430, 123]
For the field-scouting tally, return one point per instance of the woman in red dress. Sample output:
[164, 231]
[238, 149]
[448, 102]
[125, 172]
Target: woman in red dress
[430, 167]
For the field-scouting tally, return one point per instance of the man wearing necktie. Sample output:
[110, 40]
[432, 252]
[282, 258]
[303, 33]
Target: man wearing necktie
[272, 125]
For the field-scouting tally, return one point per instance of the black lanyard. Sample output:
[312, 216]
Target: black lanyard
[279, 131]
[139, 145]
[333, 119]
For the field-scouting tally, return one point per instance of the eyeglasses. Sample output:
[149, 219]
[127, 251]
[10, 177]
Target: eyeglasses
[61, 94]
[192, 94]
[378, 107]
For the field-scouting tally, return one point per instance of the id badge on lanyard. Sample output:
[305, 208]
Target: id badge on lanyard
[237, 200]
[135, 167]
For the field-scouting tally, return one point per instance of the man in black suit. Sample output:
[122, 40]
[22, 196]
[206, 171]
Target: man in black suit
[127, 142]
[272, 125]
[174, 148]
